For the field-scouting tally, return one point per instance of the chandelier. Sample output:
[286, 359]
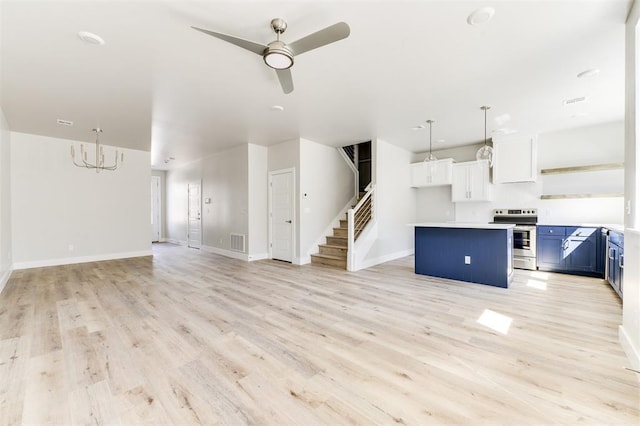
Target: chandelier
[99, 162]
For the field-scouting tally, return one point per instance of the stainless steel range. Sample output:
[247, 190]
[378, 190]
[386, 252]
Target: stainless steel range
[524, 234]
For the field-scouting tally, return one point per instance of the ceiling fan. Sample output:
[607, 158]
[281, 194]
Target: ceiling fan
[278, 54]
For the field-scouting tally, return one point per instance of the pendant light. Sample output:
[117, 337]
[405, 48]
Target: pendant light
[485, 152]
[430, 157]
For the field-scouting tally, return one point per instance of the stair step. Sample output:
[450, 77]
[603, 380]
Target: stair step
[331, 250]
[337, 241]
[340, 232]
[325, 259]
[344, 223]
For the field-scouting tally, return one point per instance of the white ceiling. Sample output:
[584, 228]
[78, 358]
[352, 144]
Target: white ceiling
[159, 85]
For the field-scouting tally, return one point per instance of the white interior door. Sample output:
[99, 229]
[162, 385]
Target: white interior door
[194, 231]
[155, 209]
[281, 191]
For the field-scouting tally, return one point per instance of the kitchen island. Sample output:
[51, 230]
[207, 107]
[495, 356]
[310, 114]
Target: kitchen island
[472, 252]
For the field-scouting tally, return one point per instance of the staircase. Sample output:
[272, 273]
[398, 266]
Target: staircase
[334, 252]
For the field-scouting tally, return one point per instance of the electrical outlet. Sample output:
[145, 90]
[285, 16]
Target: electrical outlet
[71, 247]
[467, 260]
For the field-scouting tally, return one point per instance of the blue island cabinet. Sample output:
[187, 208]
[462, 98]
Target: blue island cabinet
[482, 256]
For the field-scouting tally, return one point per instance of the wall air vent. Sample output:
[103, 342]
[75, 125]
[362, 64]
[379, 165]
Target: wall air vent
[574, 100]
[237, 242]
[64, 122]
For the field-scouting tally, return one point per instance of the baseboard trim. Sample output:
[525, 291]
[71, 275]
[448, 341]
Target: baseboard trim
[177, 242]
[4, 279]
[81, 259]
[259, 256]
[386, 258]
[302, 260]
[225, 252]
[633, 354]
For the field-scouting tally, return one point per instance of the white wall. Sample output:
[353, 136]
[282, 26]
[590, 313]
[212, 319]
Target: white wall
[224, 179]
[162, 174]
[258, 204]
[5, 202]
[395, 203]
[65, 214]
[326, 187]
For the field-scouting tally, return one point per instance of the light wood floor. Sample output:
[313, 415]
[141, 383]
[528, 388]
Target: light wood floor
[190, 337]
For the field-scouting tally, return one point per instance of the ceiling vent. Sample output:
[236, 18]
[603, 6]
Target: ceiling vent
[574, 100]
[64, 122]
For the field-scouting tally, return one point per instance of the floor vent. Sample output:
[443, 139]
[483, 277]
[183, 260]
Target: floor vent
[237, 242]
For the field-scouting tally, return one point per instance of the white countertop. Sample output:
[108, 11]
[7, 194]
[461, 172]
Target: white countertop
[463, 225]
[613, 226]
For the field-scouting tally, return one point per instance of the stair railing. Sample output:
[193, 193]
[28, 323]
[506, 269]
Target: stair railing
[348, 153]
[358, 218]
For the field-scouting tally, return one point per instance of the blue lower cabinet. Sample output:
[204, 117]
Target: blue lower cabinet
[482, 256]
[615, 259]
[571, 250]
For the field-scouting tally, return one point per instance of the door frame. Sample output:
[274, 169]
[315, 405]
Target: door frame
[157, 217]
[199, 183]
[292, 171]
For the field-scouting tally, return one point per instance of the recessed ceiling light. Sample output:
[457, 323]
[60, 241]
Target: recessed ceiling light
[64, 122]
[277, 108]
[90, 38]
[481, 16]
[589, 73]
[574, 100]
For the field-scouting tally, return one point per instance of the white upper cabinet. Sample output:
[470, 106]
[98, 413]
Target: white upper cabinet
[470, 181]
[515, 158]
[432, 173]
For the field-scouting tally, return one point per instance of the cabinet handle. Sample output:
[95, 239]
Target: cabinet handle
[551, 231]
[621, 261]
[565, 245]
[610, 251]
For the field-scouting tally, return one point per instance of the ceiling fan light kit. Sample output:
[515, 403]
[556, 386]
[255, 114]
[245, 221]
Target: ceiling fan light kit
[278, 54]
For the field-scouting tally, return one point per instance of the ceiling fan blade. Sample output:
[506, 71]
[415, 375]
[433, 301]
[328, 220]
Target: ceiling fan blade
[245, 44]
[286, 81]
[320, 38]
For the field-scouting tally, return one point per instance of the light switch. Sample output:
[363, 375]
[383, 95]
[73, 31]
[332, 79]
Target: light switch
[467, 260]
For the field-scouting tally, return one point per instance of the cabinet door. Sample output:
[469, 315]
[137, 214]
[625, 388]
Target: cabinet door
[620, 271]
[580, 253]
[550, 251]
[459, 184]
[515, 159]
[478, 177]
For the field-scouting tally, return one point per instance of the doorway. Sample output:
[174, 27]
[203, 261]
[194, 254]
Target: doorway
[194, 224]
[282, 214]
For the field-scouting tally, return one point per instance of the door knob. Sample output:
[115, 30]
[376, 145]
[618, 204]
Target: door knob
[288, 221]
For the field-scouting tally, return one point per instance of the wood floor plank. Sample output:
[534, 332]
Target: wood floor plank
[189, 337]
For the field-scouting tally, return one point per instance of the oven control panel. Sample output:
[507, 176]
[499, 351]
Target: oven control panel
[515, 212]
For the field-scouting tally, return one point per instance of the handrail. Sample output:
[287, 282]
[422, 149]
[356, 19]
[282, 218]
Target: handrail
[358, 218]
[354, 170]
